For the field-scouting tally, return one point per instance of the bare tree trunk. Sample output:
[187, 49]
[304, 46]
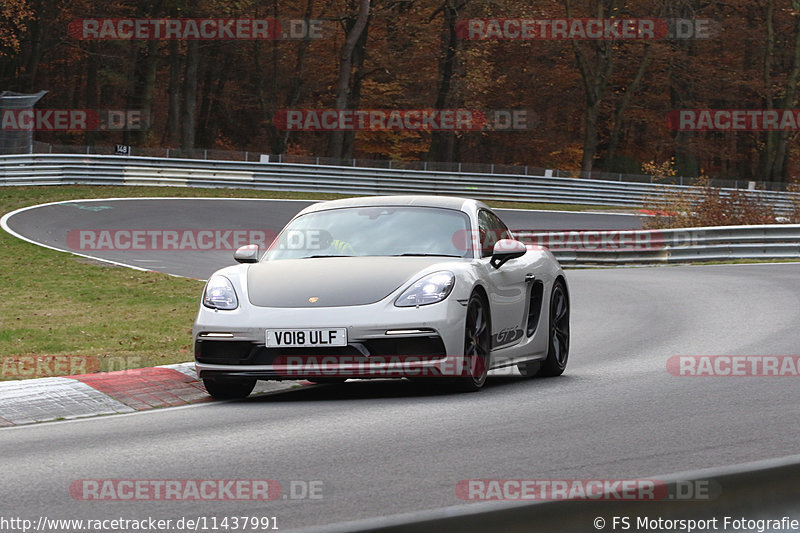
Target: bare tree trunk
[36, 29]
[189, 115]
[214, 80]
[268, 95]
[443, 142]
[143, 99]
[92, 67]
[767, 159]
[595, 81]
[619, 115]
[343, 86]
[775, 161]
[173, 130]
[348, 137]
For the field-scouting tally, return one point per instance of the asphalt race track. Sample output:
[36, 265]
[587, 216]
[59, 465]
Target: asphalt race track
[386, 447]
[52, 224]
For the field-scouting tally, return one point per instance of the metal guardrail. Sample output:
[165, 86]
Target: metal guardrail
[717, 243]
[434, 166]
[764, 490]
[665, 246]
[50, 169]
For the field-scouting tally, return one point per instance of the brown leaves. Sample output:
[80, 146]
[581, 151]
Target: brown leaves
[13, 15]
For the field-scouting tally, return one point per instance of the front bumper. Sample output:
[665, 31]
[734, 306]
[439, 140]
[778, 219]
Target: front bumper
[383, 341]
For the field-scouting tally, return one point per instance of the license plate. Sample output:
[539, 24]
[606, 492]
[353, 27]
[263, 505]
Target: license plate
[303, 338]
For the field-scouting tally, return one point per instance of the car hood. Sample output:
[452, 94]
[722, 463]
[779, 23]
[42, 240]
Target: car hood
[333, 281]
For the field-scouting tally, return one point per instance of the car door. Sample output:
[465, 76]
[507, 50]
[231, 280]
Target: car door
[508, 285]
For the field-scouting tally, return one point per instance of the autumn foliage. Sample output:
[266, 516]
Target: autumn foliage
[704, 205]
[596, 105]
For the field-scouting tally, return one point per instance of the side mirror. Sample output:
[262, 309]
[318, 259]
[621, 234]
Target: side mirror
[247, 254]
[505, 250]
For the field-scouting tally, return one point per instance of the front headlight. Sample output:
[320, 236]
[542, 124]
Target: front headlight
[428, 290]
[219, 294]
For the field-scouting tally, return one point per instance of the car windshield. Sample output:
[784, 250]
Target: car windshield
[373, 231]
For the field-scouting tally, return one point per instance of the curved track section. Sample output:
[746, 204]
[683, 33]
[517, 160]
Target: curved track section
[61, 226]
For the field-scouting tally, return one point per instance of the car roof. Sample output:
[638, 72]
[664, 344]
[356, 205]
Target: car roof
[448, 202]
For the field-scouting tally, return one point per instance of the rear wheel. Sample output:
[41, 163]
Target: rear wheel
[229, 389]
[477, 343]
[558, 350]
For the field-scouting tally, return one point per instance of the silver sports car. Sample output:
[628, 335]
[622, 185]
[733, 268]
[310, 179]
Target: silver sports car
[420, 287]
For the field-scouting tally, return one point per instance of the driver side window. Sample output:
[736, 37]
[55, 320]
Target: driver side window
[490, 230]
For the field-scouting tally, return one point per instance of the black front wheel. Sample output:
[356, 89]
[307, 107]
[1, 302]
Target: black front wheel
[229, 389]
[477, 343]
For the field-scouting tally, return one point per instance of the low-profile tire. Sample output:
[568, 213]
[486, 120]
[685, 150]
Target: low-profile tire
[331, 381]
[477, 345]
[558, 339]
[229, 389]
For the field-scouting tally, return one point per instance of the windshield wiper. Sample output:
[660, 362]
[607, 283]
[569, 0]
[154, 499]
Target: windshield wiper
[319, 256]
